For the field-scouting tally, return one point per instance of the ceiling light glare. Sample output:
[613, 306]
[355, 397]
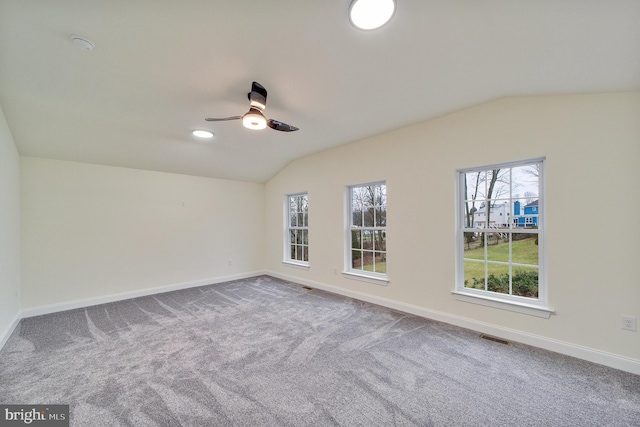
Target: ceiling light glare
[254, 120]
[371, 14]
[202, 133]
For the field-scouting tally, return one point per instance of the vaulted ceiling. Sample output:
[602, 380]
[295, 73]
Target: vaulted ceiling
[160, 67]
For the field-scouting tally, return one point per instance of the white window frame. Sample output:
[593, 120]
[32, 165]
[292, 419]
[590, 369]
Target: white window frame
[361, 274]
[289, 227]
[533, 306]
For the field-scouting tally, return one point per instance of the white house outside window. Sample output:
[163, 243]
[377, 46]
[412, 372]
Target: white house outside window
[500, 239]
[297, 238]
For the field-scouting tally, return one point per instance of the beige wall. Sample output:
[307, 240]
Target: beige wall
[592, 147]
[9, 229]
[90, 231]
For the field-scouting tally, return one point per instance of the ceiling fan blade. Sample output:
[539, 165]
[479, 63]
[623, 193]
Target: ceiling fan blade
[258, 96]
[222, 119]
[278, 125]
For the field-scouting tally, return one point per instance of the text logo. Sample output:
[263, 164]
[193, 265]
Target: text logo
[34, 415]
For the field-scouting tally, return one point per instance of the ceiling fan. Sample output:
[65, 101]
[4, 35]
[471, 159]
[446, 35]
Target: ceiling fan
[254, 119]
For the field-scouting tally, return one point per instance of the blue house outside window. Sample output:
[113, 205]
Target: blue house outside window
[527, 215]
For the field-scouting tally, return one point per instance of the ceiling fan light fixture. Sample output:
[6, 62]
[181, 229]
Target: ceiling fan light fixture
[254, 119]
[371, 14]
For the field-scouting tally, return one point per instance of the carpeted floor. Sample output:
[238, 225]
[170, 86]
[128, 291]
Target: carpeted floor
[263, 352]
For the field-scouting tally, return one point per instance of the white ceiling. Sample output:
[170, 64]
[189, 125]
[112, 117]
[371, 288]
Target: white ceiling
[160, 67]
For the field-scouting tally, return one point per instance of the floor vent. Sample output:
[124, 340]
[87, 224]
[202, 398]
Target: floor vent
[307, 288]
[494, 339]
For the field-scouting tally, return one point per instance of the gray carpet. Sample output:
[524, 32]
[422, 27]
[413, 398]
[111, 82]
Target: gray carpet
[263, 352]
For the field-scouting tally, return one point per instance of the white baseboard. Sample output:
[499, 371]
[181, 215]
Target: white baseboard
[590, 354]
[87, 302]
[4, 336]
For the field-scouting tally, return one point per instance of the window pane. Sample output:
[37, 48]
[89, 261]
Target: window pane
[357, 198]
[525, 248]
[525, 213]
[499, 214]
[474, 245]
[472, 242]
[381, 263]
[292, 236]
[357, 218]
[381, 216]
[377, 195]
[367, 239]
[356, 240]
[299, 252]
[368, 195]
[305, 237]
[380, 240]
[367, 260]
[480, 215]
[367, 206]
[305, 256]
[499, 183]
[469, 213]
[525, 181]
[525, 282]
[293, 252]
[368, 217]
[474, 185]
[474, 274]
[497, 246]
[356, 260]
[498, 278]
[381, 195]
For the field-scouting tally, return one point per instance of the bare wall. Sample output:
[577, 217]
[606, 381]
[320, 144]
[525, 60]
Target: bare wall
[9, 230]
[91, 231]
[592, 147]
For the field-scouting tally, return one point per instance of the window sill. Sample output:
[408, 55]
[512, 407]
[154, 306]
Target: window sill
[518, 307]
[376, 280]
[300, 265]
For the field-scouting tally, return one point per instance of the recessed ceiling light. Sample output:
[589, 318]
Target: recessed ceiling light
[371, 14]
[202, 133]
[83, 43]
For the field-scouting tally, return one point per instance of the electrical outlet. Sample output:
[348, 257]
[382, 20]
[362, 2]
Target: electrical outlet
[629, 323]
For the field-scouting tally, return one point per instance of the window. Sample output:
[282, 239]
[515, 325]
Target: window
[367, 234]
[500, 256]
[297, 239]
